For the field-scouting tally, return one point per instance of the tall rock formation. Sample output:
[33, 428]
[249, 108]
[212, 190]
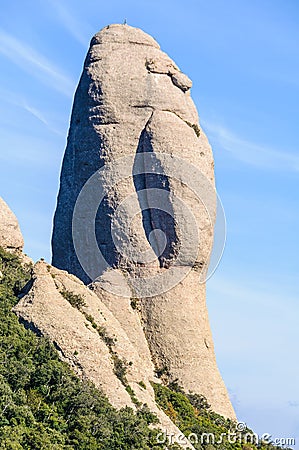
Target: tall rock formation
[136, 205]
[11, 238]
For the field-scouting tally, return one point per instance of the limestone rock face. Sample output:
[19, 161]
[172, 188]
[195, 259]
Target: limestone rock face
[137, 205]
[125, 89]
[11, 238]
[90, 339]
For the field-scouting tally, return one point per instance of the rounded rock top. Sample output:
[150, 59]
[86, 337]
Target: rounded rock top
[11, 238]
[123, 34]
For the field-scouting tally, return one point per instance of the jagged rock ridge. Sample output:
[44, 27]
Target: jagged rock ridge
[91, 340]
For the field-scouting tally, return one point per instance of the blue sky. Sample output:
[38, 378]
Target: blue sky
[243, 58]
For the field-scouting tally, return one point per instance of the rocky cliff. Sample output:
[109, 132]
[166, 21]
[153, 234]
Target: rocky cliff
[92, 341]
[136, 205]
[134, 222]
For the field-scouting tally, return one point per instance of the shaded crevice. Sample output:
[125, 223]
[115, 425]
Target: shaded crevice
[29, 325]
[25, 289]
[143, 106]
[141, 43]
[158, 222]
[194, 126]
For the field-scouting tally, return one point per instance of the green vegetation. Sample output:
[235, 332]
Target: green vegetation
[206, 429]
[102, 332]
[77, 301]
[134, 302]
[195, 127]
[43, 405]
[162, 372]
[132, 394]
[120, 368]
[74, 299]
[120, 365]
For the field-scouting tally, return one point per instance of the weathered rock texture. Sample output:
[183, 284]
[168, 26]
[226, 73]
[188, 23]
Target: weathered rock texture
[91, 340]
[11, 238]
[132, 99]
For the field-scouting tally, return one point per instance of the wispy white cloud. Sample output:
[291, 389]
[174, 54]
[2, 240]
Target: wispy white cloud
[28, 59]
[36, 113]
[39, 116]
[251, 152]
[76, 27]
[19, 101]
[256, 292]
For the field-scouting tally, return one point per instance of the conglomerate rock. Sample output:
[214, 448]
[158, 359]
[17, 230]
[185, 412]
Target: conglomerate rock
[149, 212]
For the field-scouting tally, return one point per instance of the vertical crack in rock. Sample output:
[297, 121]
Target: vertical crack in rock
[158, 223]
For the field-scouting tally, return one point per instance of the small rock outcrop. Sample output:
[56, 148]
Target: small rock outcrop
[11, 238]
[137, 205]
